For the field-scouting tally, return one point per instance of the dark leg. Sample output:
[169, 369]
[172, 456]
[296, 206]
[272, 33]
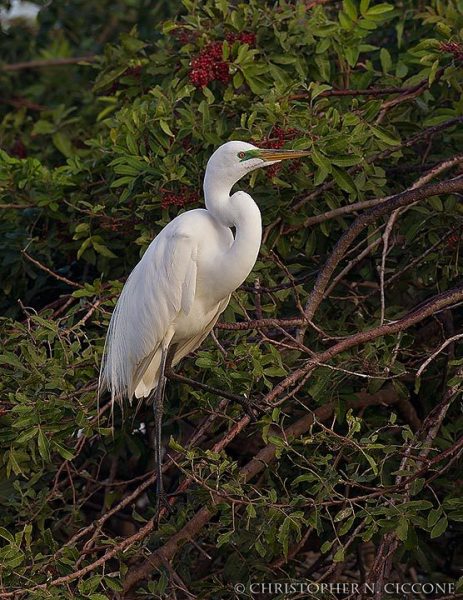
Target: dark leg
[158, 406]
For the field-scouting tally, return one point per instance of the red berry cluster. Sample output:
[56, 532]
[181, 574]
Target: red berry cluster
[454, 239]
[453, 48]
[133, 72]
[185, 36]
[209, 65]
[243, 37]
[277, 139]
[180, 198]
[18, 149]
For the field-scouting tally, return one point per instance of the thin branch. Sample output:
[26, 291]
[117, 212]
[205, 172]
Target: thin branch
[342, 210]
[425, 133]
[22, 103]
[437, 352]
[15, 206]
[50, 272]
[255, 466]
[50, 62]
[262, 324]
[402, 199]
[416, 315]
[403, 91]
[436, 170]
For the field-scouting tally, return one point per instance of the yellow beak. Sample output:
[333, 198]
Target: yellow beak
[271, 154]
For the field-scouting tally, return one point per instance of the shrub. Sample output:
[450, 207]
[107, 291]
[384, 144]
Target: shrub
[345, 334]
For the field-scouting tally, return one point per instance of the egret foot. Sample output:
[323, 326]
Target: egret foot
[161, 502]
[250, 408]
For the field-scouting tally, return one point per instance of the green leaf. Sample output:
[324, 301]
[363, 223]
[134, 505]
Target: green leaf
[346, 526]
[326, 546]
[343, 514]
[384, 136]
[339, 555]
[64, 452]
[386, 61]
[43, 127]
[44, 446]
[364, 4]
[103, 250]
[379, 9]
[224, 538]
[63, 143]
[439, 528]
[6, 535]
[320, 160]
[283, 534]
[350, 8]
[433, 516]
[166, 128]
[402, 529]
[344, 180]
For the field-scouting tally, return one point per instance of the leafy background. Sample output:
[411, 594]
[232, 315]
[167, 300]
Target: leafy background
[104, 138]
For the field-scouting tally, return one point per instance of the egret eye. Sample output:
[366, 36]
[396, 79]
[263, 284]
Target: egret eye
[241, 154]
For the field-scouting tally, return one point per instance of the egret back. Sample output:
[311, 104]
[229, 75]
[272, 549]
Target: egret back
[161, 285]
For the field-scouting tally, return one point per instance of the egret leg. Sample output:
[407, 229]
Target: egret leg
[158, 406]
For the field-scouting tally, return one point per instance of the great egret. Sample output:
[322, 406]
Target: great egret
[175, 294]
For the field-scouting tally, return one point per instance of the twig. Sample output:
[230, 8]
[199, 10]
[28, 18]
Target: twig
[416, 315]
[15, 206]
[437, 352]
[50, 272]
[262, 324]
[254, 467]
[343, 210]
[382, 566]
[402, 199]
[436, 170]
[22, 103]
[425, 133]
[50, 62]
[403, 91]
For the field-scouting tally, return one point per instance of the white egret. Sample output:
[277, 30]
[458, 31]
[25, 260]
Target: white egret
[175, 294]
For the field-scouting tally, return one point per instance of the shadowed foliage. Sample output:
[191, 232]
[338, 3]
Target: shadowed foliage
[345, 335]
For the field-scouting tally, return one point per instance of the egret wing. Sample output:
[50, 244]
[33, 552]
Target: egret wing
[162, 284]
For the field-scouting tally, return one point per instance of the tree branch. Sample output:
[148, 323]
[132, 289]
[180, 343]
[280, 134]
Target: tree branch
[255, 466]
[51, 62]
[403, 199]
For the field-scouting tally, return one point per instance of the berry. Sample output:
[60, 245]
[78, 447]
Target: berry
[244, 38]
[180, 198]
[134, 71]
[277, 140]
[18, 149]
[453, 239]
[185, 36]
[454, 48]
[209, 64]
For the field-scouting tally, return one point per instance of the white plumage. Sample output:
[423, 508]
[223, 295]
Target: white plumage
[177, 291]
[175, 294]
[165, 299]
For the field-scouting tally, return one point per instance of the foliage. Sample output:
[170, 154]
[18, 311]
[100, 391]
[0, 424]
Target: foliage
[98, 156]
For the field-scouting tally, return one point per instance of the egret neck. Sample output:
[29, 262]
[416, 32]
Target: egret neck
[240, 211]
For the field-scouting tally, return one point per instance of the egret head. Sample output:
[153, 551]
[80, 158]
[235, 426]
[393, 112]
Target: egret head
[233, 160]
